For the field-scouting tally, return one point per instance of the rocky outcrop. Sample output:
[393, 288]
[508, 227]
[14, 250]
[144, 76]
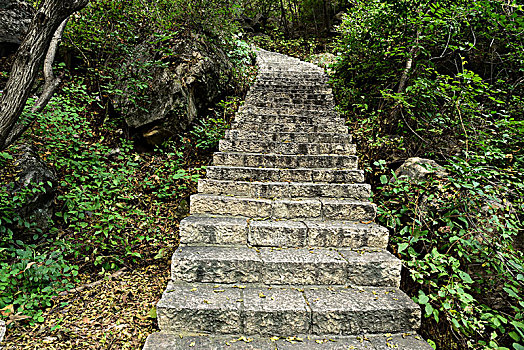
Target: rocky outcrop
[32, 171]
[419, 168]
[159, 100]
[15, 19]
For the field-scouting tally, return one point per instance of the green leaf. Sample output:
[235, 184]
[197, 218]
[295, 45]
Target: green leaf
[383, 179]
[402, 247]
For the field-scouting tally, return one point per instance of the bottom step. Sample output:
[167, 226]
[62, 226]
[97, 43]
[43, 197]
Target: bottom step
[285, 310]
[166, 341]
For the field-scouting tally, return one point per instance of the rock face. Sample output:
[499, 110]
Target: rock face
[15, 19]
[32, 170]
[281, 242]
[418, 168]
[172, 94]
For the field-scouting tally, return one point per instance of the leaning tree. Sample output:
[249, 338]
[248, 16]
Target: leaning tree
[37, 50]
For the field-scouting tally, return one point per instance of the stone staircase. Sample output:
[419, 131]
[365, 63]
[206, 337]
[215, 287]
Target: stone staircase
[280, 250]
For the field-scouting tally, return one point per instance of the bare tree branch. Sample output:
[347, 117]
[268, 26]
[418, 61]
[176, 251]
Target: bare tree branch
[51, 82]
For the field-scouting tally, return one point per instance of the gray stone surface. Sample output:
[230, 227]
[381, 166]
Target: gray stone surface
[405, 341]
[167, 341]
[277, 233]
[200, 308]
[327, 343]
[302, 266]
[303, 137]
[325, 175]
[411, 341]
[275, 311]
[346, 234]
[235, 206]
[216, 264]
[334, 209]
[177, 93]
[213, 230]
[350, 311]
[372, 268]
[284, 161]
[15, 19]
[286, 147]
[419, 168]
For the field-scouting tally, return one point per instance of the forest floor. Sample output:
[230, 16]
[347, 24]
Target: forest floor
[118, 313]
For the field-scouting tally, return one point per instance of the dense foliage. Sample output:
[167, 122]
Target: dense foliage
[117, 206]
[444, 80]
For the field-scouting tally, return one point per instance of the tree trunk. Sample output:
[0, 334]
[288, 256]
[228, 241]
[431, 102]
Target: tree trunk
[29, 58]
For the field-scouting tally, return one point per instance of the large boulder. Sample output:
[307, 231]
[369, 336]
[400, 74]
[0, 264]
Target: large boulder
[189, 74]
[419, 168]
[32, 171]
[15, 19]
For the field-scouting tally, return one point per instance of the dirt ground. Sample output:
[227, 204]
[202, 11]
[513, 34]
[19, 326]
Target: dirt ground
[117, 313]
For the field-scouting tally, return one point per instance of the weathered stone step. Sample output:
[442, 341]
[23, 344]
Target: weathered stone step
[301, 98]
[285, 311]
[284, 266]
[228, 230]
[263, 146]
[268, 83]
[285, 161]
[289, 96]
[291, 80]
[321, 113]
[259, 189]
[293, 175]
[304, 137]
[323, 208]
[299, 106]
[290, 127]
[326, 121]
[171, 341]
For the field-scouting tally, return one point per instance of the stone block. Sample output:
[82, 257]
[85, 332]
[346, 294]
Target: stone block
[275, 311]
[216, 264]
[372, 268]
[277, 233]
[213, 230]
[192, 308]
[296, 266]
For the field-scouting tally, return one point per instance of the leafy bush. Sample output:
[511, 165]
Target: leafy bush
[456, 236]
[444, 80]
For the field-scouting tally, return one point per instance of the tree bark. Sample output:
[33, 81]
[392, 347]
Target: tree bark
[29, 58]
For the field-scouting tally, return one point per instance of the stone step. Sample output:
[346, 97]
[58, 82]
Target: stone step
[285, 161]
[387, 341]
[288, 175]
[285, 311]
[287, 79]
[322, 114]
[327, 121]
[268, 84]
[290, 94]
[323, 208]
[263, 146]
[228, 230]
[259, 189]
[285, 266]
[303, 137]
[301, 99]
[290, 127]
[299, 106]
